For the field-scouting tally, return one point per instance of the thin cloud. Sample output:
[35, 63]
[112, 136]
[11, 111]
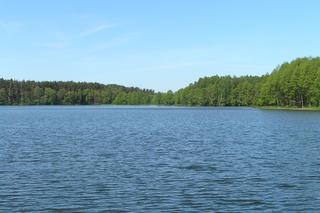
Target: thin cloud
[9, 26]
[54, 45]
[92, 54]
[97, 29]
[112, 43]
[117, 41]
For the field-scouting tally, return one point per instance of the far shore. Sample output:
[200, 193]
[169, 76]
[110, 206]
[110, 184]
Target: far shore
[288, 108]
[283, 108]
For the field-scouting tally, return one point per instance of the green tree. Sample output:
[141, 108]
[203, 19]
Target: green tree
[3, 96]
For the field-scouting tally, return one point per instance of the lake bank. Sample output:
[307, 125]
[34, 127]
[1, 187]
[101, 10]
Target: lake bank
[288, 108]
[167, 106]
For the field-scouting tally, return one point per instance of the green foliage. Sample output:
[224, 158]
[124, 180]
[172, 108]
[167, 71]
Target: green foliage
[220, 91]
[291, 84]
[3, 96]
[14, 92]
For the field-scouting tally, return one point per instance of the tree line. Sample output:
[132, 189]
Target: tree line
[14, 92]
[295, 84]
[292, 84]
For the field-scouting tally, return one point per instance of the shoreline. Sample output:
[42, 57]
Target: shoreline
[304, 109]
[314, 109]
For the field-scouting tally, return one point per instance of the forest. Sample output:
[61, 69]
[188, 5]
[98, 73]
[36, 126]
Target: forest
[294, 84]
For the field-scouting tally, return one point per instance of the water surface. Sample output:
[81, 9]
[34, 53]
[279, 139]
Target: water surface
[158, 159]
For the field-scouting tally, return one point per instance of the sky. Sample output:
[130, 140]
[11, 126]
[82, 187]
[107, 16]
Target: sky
[161, 44]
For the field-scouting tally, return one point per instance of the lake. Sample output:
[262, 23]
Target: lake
[158, 159]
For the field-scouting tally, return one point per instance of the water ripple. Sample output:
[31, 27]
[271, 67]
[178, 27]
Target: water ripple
[57, 159]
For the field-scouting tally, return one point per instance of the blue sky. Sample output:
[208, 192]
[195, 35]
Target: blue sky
[164, 44]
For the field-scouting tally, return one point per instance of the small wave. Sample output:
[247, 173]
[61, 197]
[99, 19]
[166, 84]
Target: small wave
[286, 185]
[198, 168]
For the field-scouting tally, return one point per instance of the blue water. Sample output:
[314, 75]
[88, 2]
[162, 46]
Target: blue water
[158, 159]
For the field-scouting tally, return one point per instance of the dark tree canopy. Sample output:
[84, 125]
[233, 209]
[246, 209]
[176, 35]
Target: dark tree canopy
[14, 92]
[292, 84]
